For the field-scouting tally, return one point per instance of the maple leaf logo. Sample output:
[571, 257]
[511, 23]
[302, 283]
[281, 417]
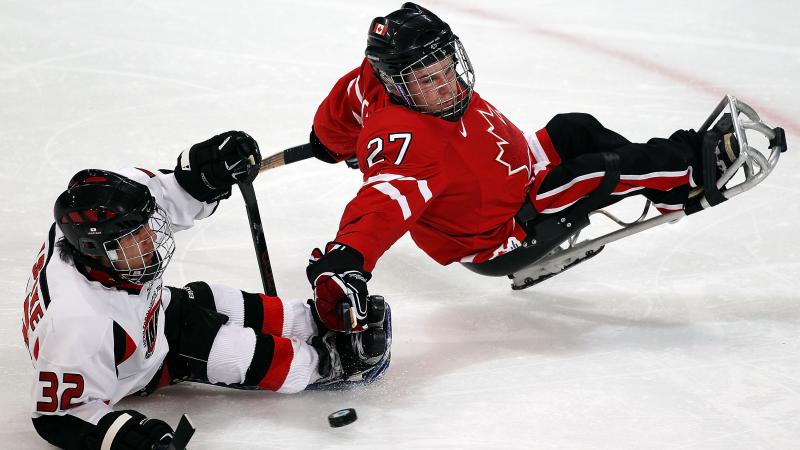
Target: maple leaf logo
[510, 161]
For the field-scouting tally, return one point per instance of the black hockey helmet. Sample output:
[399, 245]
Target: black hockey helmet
[100, 207]
[410, 39]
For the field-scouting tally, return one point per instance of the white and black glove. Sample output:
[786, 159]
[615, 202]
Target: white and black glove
[341, 300]
[208, 170]
[130, 430]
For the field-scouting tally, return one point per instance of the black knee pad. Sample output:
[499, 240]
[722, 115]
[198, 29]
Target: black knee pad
[200, 293]
[191, 327]
[574, 134]
[253, 311]
[575, 119]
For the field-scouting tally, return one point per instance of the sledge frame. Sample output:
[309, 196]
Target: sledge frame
[757, 165]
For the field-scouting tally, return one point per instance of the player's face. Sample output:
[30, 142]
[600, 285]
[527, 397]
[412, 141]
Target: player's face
[136, 250]
[434, 88]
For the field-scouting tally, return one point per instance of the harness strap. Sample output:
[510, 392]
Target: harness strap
[539, 227]
[546, 232]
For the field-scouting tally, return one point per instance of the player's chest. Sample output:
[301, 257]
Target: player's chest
[492, 147]
[141, 318]
[490, 156]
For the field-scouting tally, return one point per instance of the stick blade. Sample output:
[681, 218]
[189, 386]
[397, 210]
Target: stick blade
[183, 434]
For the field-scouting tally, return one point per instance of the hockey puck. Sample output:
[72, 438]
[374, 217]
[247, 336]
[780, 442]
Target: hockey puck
[342, 417]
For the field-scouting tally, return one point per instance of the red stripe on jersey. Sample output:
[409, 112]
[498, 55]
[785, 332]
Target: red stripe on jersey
[36, 350]
[282, 356]
[548, 147]
[273, 315]
[147, 172]
[130, 347]
[38, 266]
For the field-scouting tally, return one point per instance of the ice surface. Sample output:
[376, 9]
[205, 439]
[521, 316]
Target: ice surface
[685, 336]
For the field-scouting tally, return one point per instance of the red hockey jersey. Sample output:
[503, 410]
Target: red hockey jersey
[455, 186]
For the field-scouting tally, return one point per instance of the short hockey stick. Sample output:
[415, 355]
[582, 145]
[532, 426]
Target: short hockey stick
[183, 434]
[257, 232]
[288, 156]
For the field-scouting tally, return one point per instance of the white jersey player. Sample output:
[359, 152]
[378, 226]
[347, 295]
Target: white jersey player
[100, 325]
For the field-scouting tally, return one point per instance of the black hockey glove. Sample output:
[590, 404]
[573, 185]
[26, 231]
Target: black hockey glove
[318, 149]
[341, 300]
[322, 153]
[130, 430]
[208, 169]
[352, 162]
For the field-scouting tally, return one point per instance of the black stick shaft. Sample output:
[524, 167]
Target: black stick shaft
[183, 433]
[288, 156]
[297, 153]
[260, 244]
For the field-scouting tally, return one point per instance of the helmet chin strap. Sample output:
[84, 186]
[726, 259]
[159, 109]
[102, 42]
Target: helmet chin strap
[404, 94]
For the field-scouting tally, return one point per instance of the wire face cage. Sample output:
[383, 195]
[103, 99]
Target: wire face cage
[143, 254]
[440, 83]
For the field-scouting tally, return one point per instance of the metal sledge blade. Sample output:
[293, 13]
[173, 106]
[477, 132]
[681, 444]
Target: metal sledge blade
[550, 266]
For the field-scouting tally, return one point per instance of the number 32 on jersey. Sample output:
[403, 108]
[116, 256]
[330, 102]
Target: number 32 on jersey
[375, 148]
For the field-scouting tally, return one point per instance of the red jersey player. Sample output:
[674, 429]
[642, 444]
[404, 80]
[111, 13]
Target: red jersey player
[442, 163]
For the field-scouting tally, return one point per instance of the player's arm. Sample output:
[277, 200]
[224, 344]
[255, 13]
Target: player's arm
[337, 122]
[77, 429]
[402, 176]
[204, 175]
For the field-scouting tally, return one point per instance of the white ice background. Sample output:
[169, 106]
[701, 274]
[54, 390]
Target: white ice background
[683, 337]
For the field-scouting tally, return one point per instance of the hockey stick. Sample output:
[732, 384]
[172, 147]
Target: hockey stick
[183, 434]
[294, 154]
[257, 232]
[288, 156]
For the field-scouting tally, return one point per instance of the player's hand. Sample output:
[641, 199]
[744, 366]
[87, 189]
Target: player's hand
[208, 169]
[341, 300]
[321, 152]
[352, 163]
[130, 429]
[318, 149]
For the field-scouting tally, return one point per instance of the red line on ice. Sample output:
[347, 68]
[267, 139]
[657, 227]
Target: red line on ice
[639, 61]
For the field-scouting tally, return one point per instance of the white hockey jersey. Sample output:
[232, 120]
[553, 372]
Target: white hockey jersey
[70, 323]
